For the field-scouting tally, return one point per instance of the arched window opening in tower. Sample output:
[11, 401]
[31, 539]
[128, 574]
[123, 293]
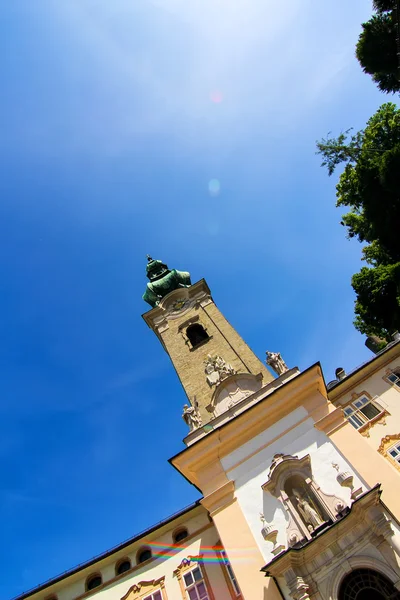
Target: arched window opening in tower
[180, 535]
[143, 554]
[93, 581]
[123, 566]
[196, 334]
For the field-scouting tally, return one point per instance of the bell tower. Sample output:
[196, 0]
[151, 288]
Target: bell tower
[215, 366]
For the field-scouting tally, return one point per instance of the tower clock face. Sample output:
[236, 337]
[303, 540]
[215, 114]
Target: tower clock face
[179, 304]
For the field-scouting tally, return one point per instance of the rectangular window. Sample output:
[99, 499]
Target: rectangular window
[394, 378]
[195, 585]
[230, 572]
[155, 596]
[361, 411]
[394, 452]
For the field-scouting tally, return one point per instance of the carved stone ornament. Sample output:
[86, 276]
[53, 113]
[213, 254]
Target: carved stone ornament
[381, 419]
[276, 362]
[386, 443]
[270, 535]
[310, 515]
[308, 508]
[216, 369]
[179, 304]
[138, 589]
[300, 590]
[232, 390]
[191, 416]
[345, 479]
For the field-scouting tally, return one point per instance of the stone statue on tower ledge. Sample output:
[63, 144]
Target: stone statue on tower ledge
[191, 417]
[276, 362]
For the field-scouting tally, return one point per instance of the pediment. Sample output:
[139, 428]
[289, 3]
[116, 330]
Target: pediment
[282, 466]
[142, 587]
[232, 390]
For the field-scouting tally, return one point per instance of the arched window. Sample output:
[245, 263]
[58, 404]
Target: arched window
[196, 334]
[180, 535]
[93, 581]
[366, 584]
[123, 566]
[143, 554]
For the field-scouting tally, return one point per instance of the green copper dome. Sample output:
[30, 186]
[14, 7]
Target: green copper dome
[162, 281]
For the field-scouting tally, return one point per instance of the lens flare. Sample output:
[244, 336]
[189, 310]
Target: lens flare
[216, 97]
[214, 187]
[209, 554]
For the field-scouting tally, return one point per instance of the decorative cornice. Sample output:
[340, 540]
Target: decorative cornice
[160, 311]
[209, 449]
[331, 422]
[220, 498]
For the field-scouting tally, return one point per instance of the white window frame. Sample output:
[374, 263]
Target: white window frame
[153, 596]
[394, 452]
[194, 584]
[354, 411]
[394, 378]
[231, 574]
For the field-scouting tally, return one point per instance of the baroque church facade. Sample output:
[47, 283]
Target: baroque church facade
[299, 479]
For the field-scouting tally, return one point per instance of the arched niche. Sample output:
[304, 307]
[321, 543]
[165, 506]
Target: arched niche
[308, 508]
[232, 390]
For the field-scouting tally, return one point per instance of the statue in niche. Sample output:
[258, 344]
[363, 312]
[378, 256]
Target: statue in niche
[276, 362]
[192, 417]
[307, 512]
[216, 369]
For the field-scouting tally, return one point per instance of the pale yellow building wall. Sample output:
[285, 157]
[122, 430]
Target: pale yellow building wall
[371, 466]
[387, 395]
[202, 538]
[244, 554]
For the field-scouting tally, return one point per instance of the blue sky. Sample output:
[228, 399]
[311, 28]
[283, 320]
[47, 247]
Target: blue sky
[115, 116]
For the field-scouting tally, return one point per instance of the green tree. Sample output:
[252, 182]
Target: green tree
[370, 187]
[378, 47]
[377, 307]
